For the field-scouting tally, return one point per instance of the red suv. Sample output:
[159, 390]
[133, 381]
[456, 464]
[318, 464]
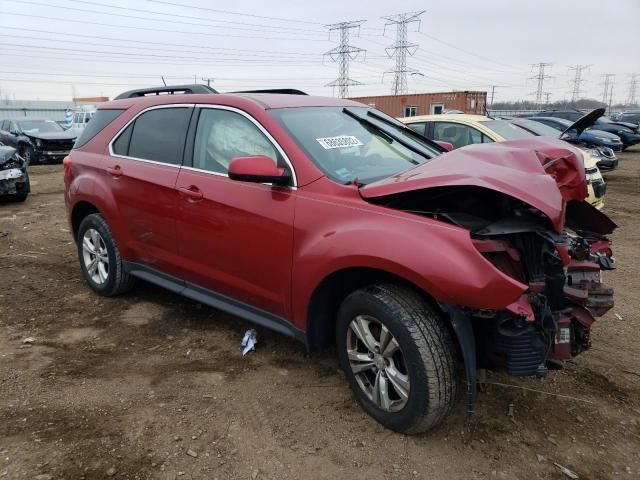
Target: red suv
[329, 221]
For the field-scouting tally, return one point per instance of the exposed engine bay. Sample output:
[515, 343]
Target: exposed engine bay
[551, 321]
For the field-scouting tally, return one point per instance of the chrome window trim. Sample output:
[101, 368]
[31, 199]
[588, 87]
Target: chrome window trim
[212, 106]
[155, 107]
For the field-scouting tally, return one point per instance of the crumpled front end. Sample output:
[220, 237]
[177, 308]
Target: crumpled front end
[523, 205]
[551, 322]
[13, 172]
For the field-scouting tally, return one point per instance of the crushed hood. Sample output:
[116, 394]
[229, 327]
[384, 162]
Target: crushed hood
[6, 154]
[52, 135]
[585, 122]
[542, 172]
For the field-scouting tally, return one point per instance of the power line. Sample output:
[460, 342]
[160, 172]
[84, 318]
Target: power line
[162, 30]
[147, 18]
[342, 55]
[228, 12]
[146, 42]
[177, 15]
[400, 49]
[577, 81]
[608, 87]
[540, 77]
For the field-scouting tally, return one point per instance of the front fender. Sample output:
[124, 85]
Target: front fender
[438, 258]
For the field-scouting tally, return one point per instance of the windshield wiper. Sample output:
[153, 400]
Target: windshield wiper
[386, 133]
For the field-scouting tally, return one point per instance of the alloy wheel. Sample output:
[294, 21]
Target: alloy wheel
[95, 256]
[377, 363]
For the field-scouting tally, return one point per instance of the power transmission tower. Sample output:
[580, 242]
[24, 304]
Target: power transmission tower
[342, 55]
[540, 77]
[400, 49]
[608, 82]
[546, 96]
[577, 81]
[208, 80]
[633, 84]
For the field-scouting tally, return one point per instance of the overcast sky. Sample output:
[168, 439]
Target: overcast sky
[52, 49]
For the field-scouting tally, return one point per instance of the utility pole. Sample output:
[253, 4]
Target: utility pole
[577, 81]
[208, 80]
[540, 77]
[608, 82]
[610, 97]
[342, 55]
[493, 92]
[633, 85]
[400, 49]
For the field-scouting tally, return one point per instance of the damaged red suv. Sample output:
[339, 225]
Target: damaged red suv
[329, 221]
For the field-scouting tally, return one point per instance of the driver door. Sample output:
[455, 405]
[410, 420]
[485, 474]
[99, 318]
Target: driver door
[235, 238]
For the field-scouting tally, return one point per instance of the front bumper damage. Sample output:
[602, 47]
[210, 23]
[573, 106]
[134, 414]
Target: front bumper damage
[13, 173]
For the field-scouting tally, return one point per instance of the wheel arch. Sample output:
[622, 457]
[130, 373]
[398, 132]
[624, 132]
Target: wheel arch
[81, 210]
[334, 288]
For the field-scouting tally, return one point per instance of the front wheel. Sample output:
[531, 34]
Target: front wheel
[28, 153]
[398, 356]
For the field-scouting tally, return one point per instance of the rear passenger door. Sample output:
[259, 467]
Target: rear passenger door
[142, 172]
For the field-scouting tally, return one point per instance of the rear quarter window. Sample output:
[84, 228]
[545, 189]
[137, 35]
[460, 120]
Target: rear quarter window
[100, 120]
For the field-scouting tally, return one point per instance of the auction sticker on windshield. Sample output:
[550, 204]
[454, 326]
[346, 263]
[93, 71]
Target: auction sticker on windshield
[342, 141]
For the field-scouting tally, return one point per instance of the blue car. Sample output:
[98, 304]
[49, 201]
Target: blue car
[589, 137]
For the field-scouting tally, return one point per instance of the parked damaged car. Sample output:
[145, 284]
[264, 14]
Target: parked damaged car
[14, 178]
[331, 222]
[37, 140]
[599, 144]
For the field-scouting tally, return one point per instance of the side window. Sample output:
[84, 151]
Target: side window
[479, 137]
[222, 135]
[121, 145]
[103, 118]
[4, 125]
[456, 134]
[418, 127]
[159, 135]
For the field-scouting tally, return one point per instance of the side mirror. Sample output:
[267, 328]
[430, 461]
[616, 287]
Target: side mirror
[14, 132]
[446, 145]
[257, 169]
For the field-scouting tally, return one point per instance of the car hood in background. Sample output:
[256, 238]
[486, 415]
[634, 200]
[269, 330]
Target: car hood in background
[603, 134]
[53, 136]
[585, 122]
[542, 172]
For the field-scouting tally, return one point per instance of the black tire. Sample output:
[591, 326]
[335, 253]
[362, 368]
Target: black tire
[428, 349]
[118, 280]
[29, 154]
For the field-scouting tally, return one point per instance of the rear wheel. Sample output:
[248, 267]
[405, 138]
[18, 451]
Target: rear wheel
[399, 357]
[100, 258]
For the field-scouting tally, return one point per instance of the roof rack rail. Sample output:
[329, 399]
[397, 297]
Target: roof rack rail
[281, 91]
[166, 90]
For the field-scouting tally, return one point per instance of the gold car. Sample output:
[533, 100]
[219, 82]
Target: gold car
[461, 130]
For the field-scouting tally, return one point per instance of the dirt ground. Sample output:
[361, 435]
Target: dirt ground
[151, 385]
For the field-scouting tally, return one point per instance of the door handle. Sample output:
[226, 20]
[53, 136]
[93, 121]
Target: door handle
[192, 192]
[115, 171]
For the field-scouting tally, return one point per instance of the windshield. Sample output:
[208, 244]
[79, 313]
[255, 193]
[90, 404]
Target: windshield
[537, 128]
[32, 127]
[507, 130]
[351, 143]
